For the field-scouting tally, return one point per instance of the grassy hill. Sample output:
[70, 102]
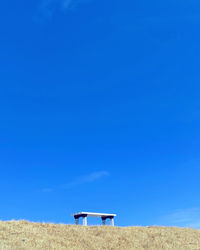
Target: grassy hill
[25, 235]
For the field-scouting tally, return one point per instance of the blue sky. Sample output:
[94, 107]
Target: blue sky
[100, 110]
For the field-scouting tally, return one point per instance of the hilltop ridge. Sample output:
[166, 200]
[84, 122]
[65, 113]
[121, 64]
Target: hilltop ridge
[26, 235]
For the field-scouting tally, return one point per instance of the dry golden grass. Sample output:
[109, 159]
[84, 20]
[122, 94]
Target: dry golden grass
[17, 235]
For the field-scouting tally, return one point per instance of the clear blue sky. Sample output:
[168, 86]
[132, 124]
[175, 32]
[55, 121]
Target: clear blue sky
[100, 110]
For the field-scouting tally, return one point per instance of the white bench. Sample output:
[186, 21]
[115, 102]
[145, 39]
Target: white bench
[103, 217]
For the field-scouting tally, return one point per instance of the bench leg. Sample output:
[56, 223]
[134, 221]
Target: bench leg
[77, 221]
[85, 221]
[103, 221]
[112, 222]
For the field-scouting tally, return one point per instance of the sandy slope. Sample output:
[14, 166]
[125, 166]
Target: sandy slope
[26, 235]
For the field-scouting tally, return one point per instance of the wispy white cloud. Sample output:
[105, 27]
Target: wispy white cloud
[66, 3]
[86, 179]
[183, 218]
[48, 7]
[80, 180]
[47, 190]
